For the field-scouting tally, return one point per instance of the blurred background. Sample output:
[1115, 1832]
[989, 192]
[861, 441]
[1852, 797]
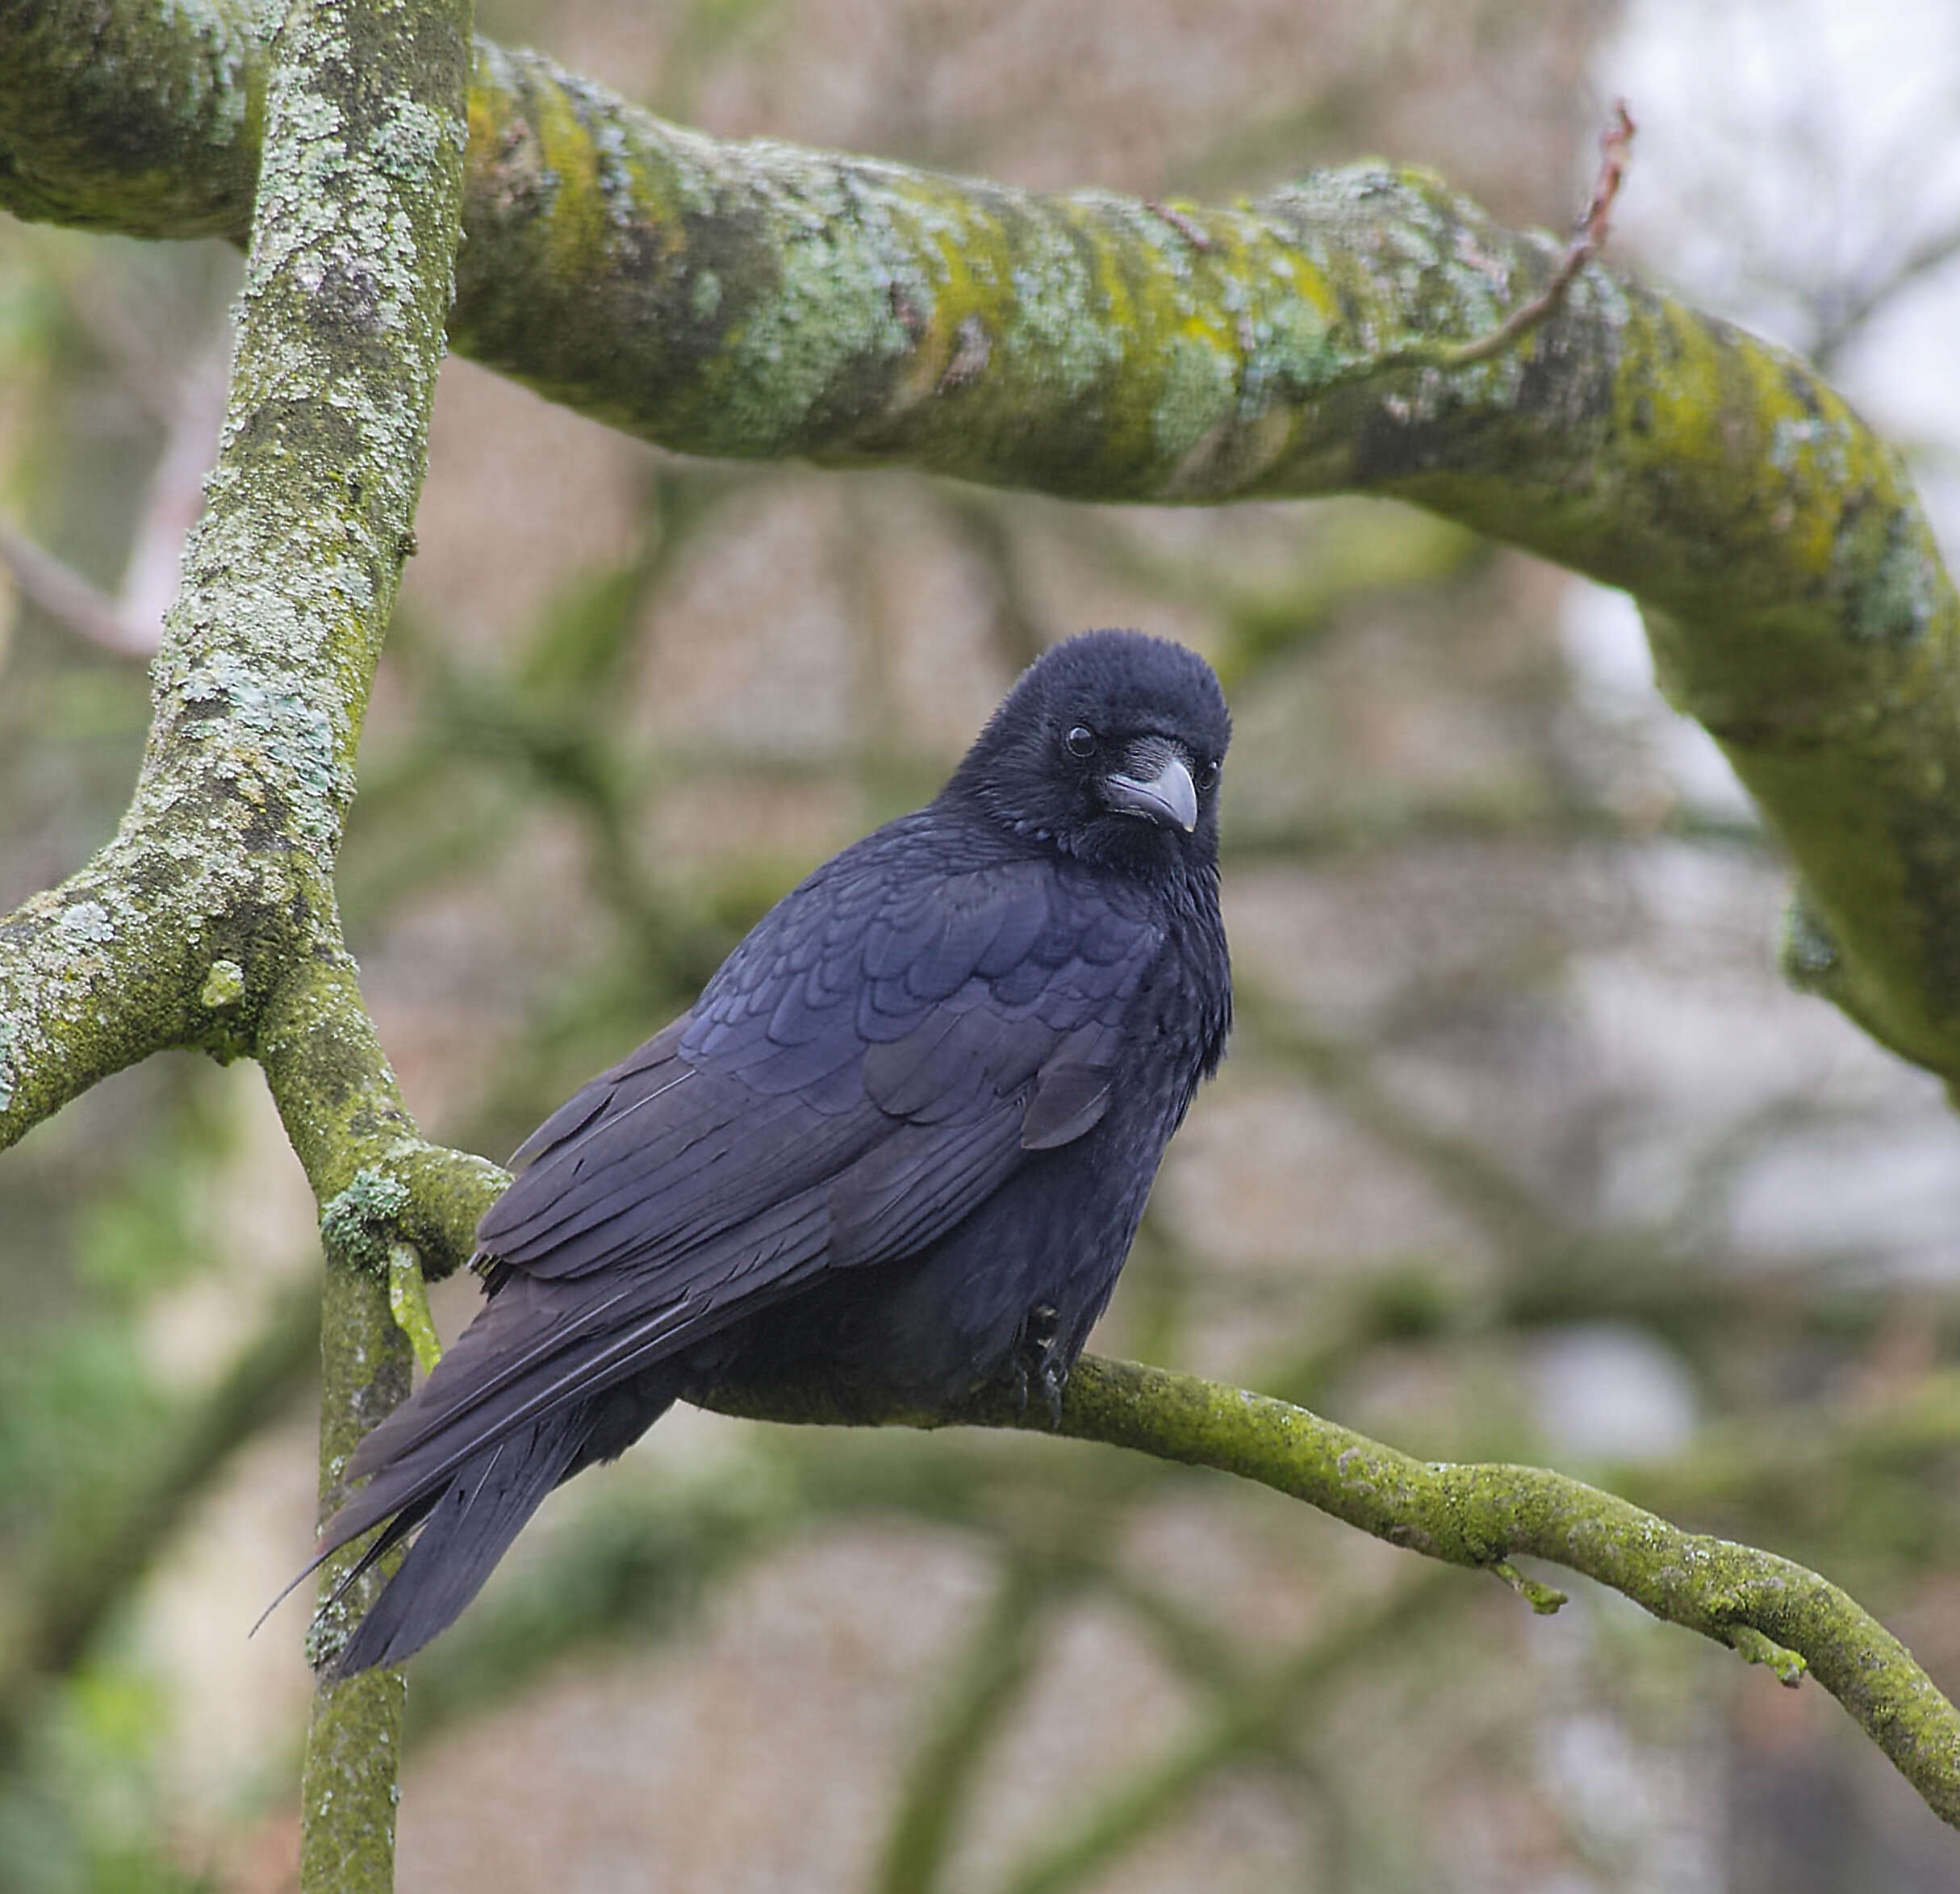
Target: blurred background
[1523, 1152]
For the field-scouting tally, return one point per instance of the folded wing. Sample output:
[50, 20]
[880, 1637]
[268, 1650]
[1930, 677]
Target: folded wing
[873, 1061]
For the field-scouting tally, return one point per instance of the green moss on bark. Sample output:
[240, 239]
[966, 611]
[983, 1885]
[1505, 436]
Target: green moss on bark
[758, 300]
[138, 118]
[1480, 1517]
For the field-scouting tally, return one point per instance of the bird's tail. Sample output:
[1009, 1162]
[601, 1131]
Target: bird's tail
[466, 1527]
[464, 1518]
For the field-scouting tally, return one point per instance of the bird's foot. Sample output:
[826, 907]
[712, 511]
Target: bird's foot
[1053, 1377]
[1038, 1361]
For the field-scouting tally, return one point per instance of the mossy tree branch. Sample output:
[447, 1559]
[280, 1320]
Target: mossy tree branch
[1769, 1609]
[758, 300]
[340, 335]
[211, 919]
[141, 119]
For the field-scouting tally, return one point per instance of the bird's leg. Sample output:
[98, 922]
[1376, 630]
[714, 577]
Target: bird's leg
[1054, 1378]
[1037, 1359]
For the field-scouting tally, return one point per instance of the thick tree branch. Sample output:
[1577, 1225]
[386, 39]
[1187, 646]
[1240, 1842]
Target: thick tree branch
[1767, 1608]
[138, 118]
[340, 335]
[211, 918]
[753, 299]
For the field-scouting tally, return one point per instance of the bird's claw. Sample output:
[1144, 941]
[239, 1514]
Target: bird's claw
[1054, 1377]
[1037, 1362]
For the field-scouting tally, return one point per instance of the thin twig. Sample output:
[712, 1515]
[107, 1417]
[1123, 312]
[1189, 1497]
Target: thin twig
[130, 624]
[194, 411]
[1193, 233]
[66, 597]
[1588, 239]
[1856, 308]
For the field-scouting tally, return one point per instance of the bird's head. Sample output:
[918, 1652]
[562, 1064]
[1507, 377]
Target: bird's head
[1108, 749]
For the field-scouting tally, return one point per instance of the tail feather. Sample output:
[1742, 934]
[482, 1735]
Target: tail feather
[469, 1458]
[517, 1340]
[473, 1398]
[466, 1529]
[465, 1519]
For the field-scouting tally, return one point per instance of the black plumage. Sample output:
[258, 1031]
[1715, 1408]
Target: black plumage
[901, 1144]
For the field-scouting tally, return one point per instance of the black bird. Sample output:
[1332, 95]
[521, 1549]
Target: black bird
[899, 1146]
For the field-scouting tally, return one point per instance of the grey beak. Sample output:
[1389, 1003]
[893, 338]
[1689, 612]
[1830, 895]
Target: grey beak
[1168, 798]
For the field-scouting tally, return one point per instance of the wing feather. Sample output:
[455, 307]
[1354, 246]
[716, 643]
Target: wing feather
[877, 1057]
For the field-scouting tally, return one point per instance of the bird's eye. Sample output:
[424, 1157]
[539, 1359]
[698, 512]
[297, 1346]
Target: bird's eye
[1207, 774]
[1081, 741]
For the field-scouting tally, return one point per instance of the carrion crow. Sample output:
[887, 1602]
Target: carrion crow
[900, 1145]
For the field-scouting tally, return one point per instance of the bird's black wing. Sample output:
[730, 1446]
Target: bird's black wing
[875, 1059]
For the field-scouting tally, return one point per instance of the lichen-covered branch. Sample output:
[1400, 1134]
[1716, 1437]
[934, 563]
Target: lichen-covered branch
[140, 119]
[340, 335]
[211, 918]
[1769, 1609]
[755, 299]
